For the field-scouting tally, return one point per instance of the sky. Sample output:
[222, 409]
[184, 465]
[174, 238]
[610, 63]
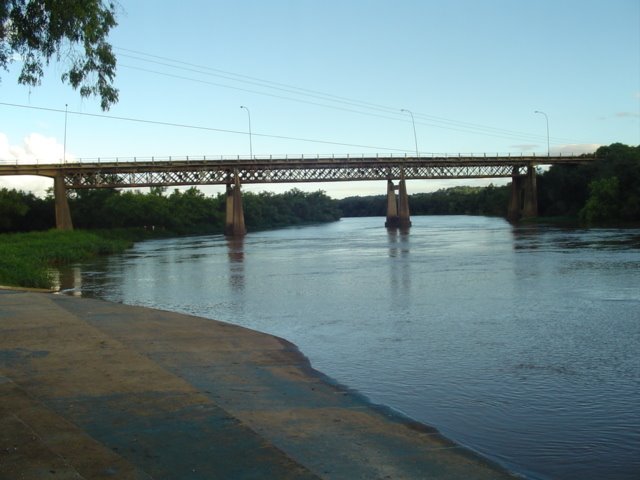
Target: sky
[333, 76]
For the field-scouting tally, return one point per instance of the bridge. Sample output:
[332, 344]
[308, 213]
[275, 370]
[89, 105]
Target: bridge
[235, 171]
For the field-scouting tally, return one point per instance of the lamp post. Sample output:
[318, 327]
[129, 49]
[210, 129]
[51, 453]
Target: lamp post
[250, 141]
[64, 145]
[547, 119]
[413, 121]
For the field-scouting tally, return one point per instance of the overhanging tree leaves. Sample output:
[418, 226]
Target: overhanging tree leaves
[71, 31]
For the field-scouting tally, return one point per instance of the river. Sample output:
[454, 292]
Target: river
[520, 342]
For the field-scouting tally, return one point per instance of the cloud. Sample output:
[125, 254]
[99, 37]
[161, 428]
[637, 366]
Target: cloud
[627, 114]
[525, 147]
[568, 149]
[631, 115]
[575, 148]
[35, 148]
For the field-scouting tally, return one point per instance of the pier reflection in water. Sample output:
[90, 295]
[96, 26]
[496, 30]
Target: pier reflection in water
[68, 280]
[520, 342]
[236, 262]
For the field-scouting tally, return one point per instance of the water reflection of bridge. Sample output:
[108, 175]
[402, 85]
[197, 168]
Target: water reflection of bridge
[232, 172]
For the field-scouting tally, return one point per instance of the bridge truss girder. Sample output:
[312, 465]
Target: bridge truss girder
[233, 173]
[255, 174]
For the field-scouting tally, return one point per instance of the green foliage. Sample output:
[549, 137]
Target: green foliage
[20, 211]
[604, 201]
[89, 208]
[188, 212]
[25, 258]
[563, 190]
[295, 207]
[491, 201]
[12, 209]
[77, 30]
[192, 212]
[605, 191]
[450, 201]
[370, 206]
[180, 212]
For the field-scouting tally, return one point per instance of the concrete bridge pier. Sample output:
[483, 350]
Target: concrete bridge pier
[234, 223]
[524, 195]
[403, 205]
[393, 221]
[63, 213]
[398, 215]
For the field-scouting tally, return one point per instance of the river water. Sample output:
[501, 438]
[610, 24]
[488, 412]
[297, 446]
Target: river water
[520, 342]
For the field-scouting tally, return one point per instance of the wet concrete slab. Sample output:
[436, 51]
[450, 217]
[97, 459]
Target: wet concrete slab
[91, 389]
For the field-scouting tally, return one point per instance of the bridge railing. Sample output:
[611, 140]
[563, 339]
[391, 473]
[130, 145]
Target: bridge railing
[348, 156]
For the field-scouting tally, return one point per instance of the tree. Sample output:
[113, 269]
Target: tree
[604, 202]
[607, 190]
[564, 189]
[21, 211]
[89, 208]
[12, 209]
[74, 30]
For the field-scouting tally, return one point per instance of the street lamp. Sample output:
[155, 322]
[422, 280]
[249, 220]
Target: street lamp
[413, 121]
[547, 119]
[250, 142]
[64, 146]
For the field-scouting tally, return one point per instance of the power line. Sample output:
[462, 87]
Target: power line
[452, 124]
[262, 82]
[511, 136]
[199, 127]
[434, 121]
[273, 95]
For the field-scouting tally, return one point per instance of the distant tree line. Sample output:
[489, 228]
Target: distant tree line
[185, 212]
[490, 201]
[23, 212]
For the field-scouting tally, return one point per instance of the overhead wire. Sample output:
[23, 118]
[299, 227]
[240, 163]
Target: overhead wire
[273, 95]
[336, 102]
[433, 121]
[263, 82]
[334, 107]
[200, 127]
[309, 102]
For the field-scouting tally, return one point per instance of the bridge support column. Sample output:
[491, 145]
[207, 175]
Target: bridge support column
[63, 213]
[234, 224]
[524, 195]
[397, 208]
[392, 207]
[403, 205]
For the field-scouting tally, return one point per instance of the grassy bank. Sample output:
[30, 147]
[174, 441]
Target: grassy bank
[26, 258]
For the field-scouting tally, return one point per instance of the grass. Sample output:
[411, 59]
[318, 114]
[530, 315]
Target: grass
[26, 258]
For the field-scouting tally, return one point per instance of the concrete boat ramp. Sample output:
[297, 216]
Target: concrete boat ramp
[96, 390]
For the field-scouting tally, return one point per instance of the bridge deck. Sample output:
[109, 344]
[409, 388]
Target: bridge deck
[202, 171]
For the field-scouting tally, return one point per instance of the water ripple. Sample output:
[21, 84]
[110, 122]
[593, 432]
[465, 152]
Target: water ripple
[520, 342]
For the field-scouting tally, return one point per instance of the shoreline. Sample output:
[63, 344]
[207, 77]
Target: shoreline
[120, 380]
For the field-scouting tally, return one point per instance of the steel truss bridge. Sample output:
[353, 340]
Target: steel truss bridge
[189, 171]
[183, 171]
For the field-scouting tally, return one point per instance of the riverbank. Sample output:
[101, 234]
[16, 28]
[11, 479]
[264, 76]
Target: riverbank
[93, 389]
